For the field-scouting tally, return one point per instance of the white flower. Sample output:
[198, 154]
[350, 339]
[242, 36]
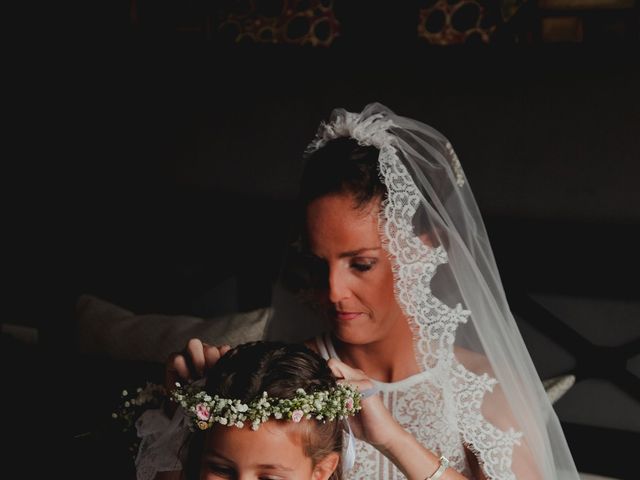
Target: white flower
[330, 404]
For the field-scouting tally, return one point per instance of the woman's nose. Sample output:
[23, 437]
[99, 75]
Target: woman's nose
[338, 287]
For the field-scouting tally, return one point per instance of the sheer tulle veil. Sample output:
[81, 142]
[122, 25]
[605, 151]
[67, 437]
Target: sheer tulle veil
[482, 382]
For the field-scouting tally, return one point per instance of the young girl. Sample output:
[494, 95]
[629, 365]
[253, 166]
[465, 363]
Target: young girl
[267, 411]
[290, 447]
[274, 411]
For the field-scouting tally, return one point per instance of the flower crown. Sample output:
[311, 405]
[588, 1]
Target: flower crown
[335, 403]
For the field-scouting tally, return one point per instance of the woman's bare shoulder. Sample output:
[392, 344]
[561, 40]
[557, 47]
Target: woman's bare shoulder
[475, 362]
[495, 406]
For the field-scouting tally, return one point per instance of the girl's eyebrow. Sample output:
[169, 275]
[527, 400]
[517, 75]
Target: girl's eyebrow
[216, 455]
[355, 253]
[275, 466]
[266, 466]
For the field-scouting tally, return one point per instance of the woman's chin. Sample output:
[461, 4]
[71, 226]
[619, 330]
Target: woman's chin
[352, 334]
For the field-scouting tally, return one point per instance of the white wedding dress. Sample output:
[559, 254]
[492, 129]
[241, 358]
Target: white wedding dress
[418, 406]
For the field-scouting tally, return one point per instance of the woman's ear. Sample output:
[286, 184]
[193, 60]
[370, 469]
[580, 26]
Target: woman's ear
[325, 467]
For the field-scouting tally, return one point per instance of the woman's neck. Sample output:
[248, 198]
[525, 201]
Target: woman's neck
[389, 359]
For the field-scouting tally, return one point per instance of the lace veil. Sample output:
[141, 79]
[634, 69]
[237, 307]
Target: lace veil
[482, 382]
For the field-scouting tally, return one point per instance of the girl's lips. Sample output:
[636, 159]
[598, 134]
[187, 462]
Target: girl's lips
[347, 315]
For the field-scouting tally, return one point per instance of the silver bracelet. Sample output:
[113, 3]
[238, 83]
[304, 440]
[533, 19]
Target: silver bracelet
[369, 392]
[444, 463]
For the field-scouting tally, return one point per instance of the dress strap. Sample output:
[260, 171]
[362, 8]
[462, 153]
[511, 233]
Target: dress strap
[330, 349]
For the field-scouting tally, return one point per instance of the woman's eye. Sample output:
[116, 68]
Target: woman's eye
[364, 265]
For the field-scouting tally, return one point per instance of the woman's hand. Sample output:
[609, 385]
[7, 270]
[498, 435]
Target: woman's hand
[374, 424]
[190, 364]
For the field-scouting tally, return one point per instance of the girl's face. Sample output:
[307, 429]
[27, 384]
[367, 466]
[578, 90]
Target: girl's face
[359, 283]
[273, 452]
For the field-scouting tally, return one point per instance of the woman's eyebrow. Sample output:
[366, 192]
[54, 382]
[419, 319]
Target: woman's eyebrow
[355, 253]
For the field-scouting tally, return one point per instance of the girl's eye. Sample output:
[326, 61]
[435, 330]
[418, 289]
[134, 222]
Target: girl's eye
[363, 265]
[220, 470]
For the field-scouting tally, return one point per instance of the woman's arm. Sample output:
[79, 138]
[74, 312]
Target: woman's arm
[375, 425]
[413, 459]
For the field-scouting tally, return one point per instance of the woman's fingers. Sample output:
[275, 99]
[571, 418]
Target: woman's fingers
[195, 354]
[361, 385]
[193, 362]
[352, 376]
[195, 359]
[176, 370]
[181, 367]
[212, 354]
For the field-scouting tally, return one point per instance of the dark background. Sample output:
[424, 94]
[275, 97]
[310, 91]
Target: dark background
[155, 166]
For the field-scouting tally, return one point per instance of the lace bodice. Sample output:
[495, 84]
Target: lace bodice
[417, 403]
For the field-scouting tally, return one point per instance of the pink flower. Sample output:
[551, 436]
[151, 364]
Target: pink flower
[297, 415]
[202, 411]
[349, 404]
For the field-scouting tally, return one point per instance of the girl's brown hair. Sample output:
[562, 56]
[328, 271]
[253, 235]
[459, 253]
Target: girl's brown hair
[278, 369]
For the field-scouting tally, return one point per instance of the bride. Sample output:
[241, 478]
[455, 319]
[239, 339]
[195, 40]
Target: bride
[393, 251]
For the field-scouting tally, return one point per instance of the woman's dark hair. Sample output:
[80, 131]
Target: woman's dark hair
[342, 165]
[278, 369]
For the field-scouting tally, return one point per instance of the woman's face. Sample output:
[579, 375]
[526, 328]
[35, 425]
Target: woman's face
[359, 285]
[273, 452]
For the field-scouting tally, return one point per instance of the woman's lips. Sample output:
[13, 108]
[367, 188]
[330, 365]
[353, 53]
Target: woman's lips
[347, 315]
